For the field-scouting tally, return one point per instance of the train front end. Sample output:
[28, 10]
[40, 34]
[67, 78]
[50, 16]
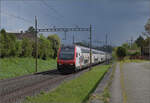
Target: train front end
[66, 59]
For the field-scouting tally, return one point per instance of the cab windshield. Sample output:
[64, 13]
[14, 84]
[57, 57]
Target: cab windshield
[66, 53]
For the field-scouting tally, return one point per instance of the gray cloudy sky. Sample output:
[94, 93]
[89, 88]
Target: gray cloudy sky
[120, 19]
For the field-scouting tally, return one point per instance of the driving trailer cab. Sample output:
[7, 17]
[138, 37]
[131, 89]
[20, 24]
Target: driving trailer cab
[66, 59]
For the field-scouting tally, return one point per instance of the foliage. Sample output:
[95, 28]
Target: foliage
[114, 53]
[18, 48]
[45, 48]
[30, 30]
[121, 52]
[27, 47]
[14, 66]
[55, 42]
[10, 46]
[126, 45]
[4, 43]
[134, 46]
[78, 90]
[139, 41]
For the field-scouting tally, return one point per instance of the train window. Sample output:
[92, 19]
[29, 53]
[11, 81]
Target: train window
[66, 53]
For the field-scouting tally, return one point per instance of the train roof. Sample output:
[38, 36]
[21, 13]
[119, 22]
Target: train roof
[71, 46]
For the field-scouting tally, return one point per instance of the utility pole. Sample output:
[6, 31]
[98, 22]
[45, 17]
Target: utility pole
[36, 49]
[131, 42]
[149, 48]
[73, 40]
[90, 46]
[106, 49]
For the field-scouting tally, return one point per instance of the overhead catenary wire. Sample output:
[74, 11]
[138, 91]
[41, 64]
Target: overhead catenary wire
[17, 17]
[52, 9]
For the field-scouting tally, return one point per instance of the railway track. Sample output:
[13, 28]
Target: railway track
[16, 89]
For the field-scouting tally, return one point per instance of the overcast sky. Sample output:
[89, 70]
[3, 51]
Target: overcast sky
[120, 19]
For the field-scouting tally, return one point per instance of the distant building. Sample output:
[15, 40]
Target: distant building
[22, 35]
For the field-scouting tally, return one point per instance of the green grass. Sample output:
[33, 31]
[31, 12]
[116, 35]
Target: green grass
[74, 91]
[12, 67]
[134, 61]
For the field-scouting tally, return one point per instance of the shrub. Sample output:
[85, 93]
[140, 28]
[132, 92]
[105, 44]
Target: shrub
[45, 48]
[26, 47]
[121, 52]
[55, 42]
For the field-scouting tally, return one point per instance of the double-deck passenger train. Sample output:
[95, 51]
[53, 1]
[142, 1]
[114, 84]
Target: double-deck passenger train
[73, 58]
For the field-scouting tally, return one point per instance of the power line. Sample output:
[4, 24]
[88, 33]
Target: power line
[51, 8]
[17, 17]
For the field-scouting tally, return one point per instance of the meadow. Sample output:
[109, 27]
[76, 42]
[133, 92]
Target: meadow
[12, 67]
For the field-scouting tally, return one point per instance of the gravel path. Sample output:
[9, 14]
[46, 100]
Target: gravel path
[131, 83]
[137, 82]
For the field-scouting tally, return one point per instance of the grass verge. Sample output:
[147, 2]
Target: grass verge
[134, 61]
[12, 67]
[74, 91]
[105, 95]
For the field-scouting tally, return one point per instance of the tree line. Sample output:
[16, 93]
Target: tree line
[135, 48]
[10, 46]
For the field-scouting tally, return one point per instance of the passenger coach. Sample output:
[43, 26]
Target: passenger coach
[73, 58]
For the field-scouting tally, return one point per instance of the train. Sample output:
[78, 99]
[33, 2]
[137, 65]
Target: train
[71, 58]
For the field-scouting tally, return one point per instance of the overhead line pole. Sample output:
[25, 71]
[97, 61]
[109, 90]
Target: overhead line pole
[36, 49]
[90, 46]
[73, 39]
[106, 49]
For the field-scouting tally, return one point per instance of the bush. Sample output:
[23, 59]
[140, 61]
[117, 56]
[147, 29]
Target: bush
[45, 48]
[3, 43]
[8, 44]
[121, 52]
[26, 47]
[55, 40]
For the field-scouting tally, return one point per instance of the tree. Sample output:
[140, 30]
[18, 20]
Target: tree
[126, 45]
[12, 45]
[30, 30]
[45, 48]
[4, 43]
[121, 52]
[9, 45]
[55, 41]
[18, 48]
[140, 41]
[26, 47]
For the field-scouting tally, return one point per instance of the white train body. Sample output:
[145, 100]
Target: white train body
[71, 58]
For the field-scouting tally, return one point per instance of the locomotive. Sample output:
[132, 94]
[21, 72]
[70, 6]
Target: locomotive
[75, 57]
